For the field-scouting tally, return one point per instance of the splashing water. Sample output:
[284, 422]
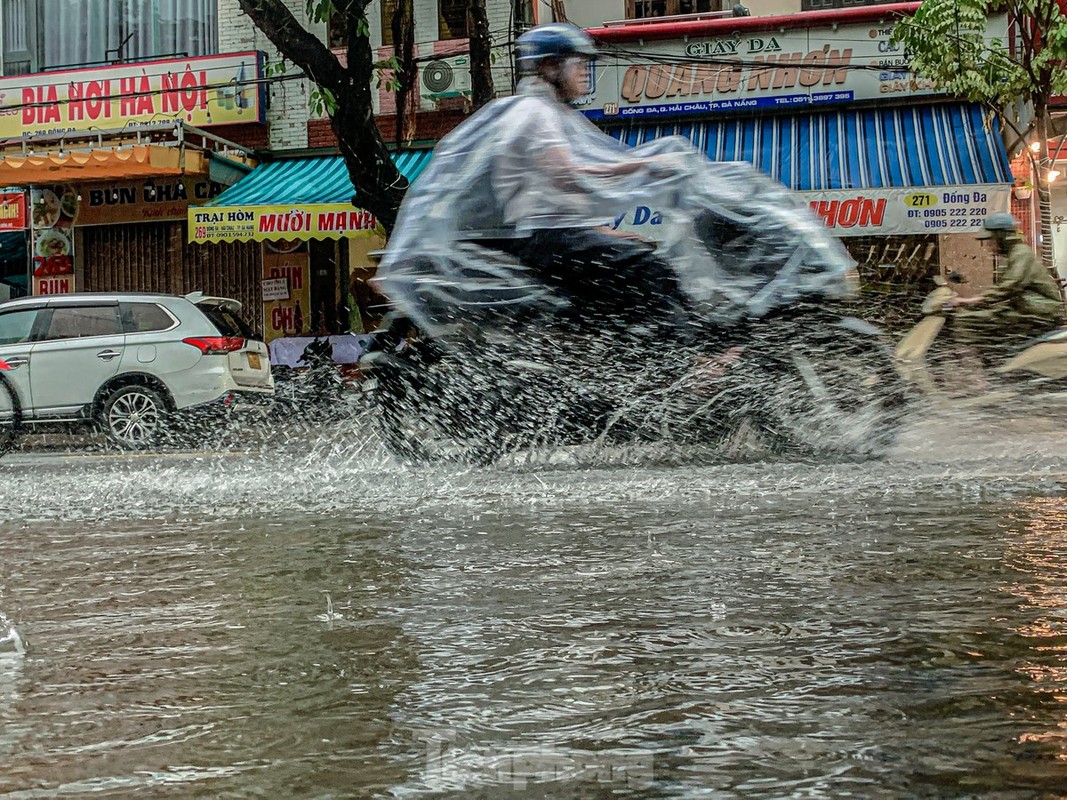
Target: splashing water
[578, 626]
[330, 615]
[10, 640]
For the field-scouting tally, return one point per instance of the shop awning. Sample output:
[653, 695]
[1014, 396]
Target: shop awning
[99, 164]
[923, 169]
[918, 146]
[300, 198]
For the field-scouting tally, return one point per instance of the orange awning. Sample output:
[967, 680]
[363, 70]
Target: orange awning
[133, 162]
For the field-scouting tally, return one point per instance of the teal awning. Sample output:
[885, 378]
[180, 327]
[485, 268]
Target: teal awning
[308, 181]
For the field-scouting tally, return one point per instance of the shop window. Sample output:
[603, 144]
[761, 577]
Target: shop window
[643, 9]
[14, 265]
[896, 273]
[452, 19]
[16, 34]
[336, 31]
[40, 35]
[819, 5]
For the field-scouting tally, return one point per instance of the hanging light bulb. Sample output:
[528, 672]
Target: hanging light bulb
[1035, 146]
[1052, 175]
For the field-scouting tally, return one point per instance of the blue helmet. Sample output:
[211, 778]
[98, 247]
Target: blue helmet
[557, 40]
[1001, 222]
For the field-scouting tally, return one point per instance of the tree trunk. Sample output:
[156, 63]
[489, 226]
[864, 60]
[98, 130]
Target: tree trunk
[1044, 192]
[379, 185]
[481, 54]
[407, 98]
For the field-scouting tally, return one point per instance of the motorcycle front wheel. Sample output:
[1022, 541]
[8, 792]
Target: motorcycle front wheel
[835, 397]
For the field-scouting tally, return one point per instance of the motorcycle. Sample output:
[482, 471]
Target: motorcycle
[483, 358]
[930, 358]
[318, 390]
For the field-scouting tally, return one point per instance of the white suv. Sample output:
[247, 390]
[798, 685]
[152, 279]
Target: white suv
[126, 360]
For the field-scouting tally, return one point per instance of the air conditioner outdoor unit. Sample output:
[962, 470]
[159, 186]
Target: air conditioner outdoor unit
[445, 77]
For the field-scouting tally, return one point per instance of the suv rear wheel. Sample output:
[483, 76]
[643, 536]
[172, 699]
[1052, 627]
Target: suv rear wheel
[134, 416]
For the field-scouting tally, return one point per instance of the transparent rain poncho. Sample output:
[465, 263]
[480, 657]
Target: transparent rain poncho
[741, 244]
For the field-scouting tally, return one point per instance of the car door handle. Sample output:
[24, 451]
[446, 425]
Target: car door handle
[16, 361]
[107, 355]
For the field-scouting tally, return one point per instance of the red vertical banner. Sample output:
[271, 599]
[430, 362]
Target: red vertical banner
[289, 312]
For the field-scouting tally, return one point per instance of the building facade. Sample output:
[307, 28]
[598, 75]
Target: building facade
[820, 100]
[823, 102]
[117, 117]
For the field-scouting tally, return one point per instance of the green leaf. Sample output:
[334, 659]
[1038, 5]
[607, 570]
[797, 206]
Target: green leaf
[322, 102]
[320, 10]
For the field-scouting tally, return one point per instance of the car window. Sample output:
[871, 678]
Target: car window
[228, 323]
[16, 326]
[73, 322]
[144, 317]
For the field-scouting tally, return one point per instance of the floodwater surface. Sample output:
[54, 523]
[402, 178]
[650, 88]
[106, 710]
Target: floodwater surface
[323, 622]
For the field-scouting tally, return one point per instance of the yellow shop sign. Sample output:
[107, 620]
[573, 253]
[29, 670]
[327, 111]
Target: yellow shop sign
[209, 90]
[266, 223]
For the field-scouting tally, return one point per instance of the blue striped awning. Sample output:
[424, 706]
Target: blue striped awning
[308, 181]
[928, 145]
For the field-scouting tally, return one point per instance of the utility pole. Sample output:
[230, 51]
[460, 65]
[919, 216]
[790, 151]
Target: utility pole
[481, 54]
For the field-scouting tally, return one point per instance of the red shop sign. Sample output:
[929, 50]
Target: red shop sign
[12, 211]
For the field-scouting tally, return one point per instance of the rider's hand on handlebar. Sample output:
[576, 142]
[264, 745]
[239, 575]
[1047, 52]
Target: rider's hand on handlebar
[628, 235]
[663, 166]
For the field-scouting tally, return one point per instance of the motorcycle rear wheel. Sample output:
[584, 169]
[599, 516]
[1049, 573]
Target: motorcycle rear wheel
[419, 422]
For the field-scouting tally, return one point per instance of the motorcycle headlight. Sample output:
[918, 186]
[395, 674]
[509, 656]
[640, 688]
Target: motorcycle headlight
[852, 281]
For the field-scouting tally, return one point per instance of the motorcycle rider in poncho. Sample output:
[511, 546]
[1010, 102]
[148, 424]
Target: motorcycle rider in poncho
[522, 200]
[508, 245]
[548, 186]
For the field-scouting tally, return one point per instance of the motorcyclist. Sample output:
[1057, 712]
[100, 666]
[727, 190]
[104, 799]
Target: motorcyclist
[1025, 302]
[544, 200]
[538, 179]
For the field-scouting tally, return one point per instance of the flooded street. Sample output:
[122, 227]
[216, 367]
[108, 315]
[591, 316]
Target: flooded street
[323, 622]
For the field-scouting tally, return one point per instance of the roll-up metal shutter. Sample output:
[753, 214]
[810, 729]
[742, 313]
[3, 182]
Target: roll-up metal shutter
[227, 269]
[126, 258]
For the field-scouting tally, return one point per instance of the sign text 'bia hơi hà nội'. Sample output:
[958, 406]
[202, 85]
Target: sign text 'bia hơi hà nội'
[878, 212]
[204, 91]
[760, 70]
[267, 223]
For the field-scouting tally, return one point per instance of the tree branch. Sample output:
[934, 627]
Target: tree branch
[294, 41]
[379, 186]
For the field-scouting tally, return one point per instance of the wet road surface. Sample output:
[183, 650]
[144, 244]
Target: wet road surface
[318, 621]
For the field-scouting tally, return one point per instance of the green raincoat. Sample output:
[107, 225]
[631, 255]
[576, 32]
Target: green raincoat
[1025, 302]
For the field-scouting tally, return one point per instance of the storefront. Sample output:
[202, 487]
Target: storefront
[823, 103]
[313, 247]
[108, 161]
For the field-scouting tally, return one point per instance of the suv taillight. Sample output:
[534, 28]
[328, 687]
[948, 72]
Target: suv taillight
[215, 345]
